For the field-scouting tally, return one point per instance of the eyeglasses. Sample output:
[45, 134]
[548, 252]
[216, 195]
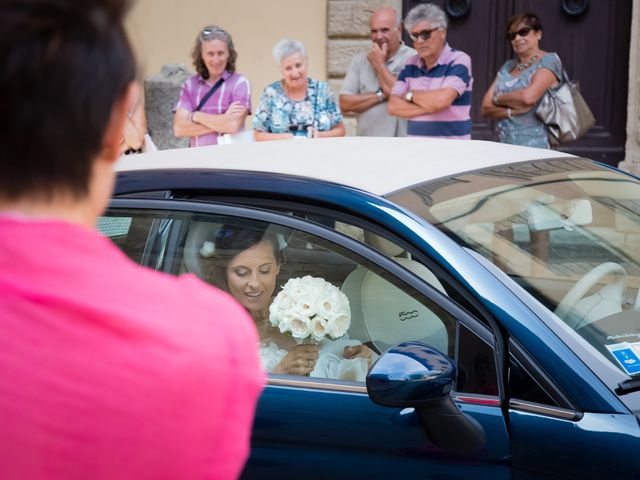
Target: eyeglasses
[423, 35]
[523, 32]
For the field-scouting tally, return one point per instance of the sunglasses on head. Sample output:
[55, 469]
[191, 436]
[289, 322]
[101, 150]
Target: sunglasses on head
[205, 33]
[423, 35]
[523, 32]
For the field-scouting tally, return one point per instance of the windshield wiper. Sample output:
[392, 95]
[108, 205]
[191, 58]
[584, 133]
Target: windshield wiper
[628, 386]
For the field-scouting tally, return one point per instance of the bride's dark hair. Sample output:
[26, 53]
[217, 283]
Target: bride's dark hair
[231, 240]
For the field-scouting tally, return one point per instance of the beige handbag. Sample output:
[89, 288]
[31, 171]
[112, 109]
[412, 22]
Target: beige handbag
[565, 112]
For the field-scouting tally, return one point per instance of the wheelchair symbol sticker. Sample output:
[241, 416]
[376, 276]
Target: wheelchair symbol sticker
[626, 357]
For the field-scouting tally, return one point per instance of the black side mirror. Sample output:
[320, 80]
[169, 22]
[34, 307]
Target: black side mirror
[416, 375]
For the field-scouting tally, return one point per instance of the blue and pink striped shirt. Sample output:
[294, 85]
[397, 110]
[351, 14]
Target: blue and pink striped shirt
[453, 70]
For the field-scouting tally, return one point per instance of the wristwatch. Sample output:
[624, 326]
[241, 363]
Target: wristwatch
[380, 95]
[409, 96]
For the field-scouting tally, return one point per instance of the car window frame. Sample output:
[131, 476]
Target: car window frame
[278, 205]
[370, 254]
[349, 218]
[564, 406]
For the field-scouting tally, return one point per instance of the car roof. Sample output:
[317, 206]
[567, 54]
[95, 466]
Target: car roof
[374, 164]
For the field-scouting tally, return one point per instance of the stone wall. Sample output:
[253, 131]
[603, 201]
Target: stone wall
[632, 148]
[347, 34]
[161, 93]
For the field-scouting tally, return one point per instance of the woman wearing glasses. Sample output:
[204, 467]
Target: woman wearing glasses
[520, 83]
[216, 100]
[296, 106]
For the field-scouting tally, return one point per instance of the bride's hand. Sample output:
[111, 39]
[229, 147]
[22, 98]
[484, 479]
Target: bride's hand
[300, 360]
[358, 351]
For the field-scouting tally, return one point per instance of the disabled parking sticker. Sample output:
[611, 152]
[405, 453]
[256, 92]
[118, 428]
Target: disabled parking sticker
[627, 355]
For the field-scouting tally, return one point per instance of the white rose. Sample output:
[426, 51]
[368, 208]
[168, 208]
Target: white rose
[281, 306]
[283, 323]
[311, 283]
[304, 308]
[339, 325]
[319, 328]
[296, 289]
[300, 327]
[328, 304]
[208, 249]
[335, 304]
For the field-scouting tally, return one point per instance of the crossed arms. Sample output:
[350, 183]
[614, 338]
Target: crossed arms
[424, 101]
[194, 124]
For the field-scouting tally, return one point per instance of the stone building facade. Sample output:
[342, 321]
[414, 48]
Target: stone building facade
[348, 33]
[632, 148]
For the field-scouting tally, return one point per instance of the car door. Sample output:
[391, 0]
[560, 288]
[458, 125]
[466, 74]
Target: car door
[549, 435]
[329, 427]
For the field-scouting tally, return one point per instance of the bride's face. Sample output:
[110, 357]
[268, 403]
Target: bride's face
[251, 276]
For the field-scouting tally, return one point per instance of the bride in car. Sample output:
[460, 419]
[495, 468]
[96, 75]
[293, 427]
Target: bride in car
[246, 262]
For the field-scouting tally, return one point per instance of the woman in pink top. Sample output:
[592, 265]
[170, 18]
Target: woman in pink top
[107, 370]
[216, 100]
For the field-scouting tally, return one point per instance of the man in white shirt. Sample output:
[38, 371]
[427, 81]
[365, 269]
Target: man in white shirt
[371, 76]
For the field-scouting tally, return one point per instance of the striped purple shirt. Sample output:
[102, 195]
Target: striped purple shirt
[453, 69]
[235, 88]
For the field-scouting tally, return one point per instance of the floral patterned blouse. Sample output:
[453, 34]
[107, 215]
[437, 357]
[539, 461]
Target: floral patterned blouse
[277, 113]
[524, 129]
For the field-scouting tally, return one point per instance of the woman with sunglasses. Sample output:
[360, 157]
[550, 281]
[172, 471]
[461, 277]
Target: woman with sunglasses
[216, 100]
[520, 83]
[296, 106]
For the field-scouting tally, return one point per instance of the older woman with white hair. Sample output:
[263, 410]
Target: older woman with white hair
[296, 106]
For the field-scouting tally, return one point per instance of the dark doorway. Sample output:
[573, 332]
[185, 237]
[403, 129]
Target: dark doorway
[593, 45]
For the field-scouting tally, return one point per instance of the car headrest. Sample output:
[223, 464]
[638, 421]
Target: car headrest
[199, 243]
[385, 315]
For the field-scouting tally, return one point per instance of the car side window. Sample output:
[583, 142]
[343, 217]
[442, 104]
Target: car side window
[476, 364]
[294, 283]
[522, 385]
[131, 232]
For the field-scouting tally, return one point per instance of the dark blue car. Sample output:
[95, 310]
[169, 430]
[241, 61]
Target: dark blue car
[498, 287]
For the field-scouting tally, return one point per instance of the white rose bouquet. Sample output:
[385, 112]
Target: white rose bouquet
[310, 308]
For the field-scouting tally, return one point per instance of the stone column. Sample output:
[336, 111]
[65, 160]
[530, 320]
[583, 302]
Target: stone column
[632, 148]
[347, 34]
[161, 93]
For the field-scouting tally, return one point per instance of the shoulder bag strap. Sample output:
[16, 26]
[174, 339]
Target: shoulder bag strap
[573, 85]
[208, 95]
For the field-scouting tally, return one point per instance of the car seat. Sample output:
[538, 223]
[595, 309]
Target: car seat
[384, 315]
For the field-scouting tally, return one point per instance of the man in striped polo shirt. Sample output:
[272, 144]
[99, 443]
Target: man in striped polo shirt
[433, 90]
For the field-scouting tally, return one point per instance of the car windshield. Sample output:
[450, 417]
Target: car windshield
[566, 230]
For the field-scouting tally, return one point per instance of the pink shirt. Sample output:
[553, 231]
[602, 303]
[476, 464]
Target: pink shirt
[235, 88]
[112, 371]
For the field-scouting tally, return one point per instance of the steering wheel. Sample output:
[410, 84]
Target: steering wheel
[580, 289]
